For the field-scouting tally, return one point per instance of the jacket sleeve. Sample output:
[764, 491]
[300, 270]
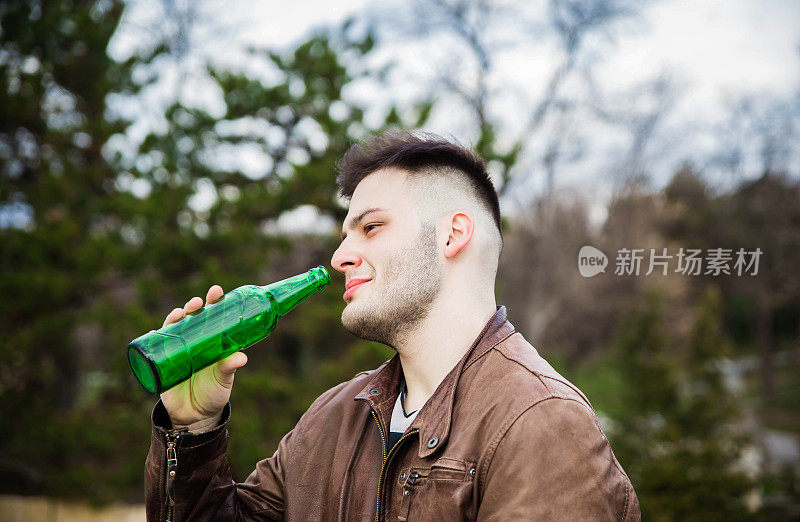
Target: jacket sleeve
[554, 463]
[202, 487]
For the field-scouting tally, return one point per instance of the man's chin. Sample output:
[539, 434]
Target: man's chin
[359, 320]
[351, 315]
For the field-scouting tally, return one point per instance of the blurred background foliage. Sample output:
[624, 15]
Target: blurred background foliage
[105, 228]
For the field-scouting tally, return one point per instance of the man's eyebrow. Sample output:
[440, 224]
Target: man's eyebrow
[353, 223]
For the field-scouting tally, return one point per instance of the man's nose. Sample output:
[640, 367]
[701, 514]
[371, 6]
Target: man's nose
[344, 258]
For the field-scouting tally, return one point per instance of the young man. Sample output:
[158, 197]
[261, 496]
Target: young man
[466, 421]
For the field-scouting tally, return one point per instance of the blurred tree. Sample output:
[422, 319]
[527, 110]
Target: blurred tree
[681, 439]
[764, 214]
[523, 129]
[59, 217]
[760, 214]
[573, 317]
[103, 240]
[206, 219]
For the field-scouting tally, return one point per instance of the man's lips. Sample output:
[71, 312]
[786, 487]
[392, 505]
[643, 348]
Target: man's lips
[351, 287]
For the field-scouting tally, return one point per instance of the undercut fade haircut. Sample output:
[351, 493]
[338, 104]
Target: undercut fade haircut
[416, 152]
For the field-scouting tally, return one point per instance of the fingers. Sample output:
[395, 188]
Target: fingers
[214, 294]
[194, 304]
[174, 316]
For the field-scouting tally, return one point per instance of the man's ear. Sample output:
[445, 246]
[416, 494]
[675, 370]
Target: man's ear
[460, 230]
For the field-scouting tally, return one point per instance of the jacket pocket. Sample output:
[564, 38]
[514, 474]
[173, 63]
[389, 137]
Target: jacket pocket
[442, 492]
[449, 469]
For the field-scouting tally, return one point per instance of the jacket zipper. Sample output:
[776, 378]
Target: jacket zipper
[173, 437]
[386, 458]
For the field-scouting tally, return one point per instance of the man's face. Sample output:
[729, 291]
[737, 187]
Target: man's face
[389, 259]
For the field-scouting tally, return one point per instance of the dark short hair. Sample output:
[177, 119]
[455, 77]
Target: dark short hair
[415, 152]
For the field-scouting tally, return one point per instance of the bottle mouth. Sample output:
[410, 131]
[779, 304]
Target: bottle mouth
[322, 275]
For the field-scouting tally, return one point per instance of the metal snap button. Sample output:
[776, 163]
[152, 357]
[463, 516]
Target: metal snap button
[406, 493]
[433, 442]
[375, 391]
[172, 473]
[472, 472]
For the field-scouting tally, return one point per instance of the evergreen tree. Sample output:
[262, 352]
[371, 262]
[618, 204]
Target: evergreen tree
[297, 128]
[681, 439]
[59, 212]
[96, 248]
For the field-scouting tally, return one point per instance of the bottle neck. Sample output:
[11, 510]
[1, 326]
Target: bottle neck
[288, 293]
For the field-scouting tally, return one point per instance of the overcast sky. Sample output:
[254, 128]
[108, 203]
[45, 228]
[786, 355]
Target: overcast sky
[716, 45]
[719, 45]
[714, 50]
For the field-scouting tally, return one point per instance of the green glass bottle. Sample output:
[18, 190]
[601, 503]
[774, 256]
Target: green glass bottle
[163, 358]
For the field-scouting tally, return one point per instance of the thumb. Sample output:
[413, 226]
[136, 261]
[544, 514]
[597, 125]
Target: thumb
[228, 366]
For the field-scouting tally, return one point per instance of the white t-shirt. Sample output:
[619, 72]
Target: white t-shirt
[400, 419]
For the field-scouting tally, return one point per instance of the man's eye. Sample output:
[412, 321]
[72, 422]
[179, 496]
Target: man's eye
[369, 227]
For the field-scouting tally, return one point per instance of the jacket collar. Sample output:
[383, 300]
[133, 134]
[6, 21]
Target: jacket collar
[433, 420]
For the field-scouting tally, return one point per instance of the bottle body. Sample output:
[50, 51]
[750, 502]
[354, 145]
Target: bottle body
[166, 357]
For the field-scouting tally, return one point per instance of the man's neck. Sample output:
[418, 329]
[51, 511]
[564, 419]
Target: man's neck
[434, 347]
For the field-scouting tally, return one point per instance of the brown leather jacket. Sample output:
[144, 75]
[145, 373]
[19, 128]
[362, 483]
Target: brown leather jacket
[504, 437]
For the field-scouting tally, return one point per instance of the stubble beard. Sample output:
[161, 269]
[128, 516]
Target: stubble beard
[414, 279]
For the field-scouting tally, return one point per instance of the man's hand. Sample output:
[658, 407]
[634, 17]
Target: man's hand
[198, 402]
